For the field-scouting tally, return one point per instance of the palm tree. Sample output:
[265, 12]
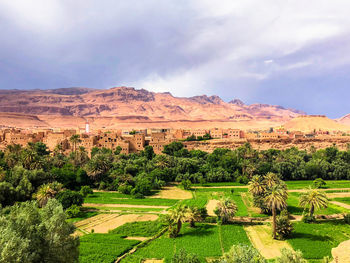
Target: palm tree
[256, 185]
[75, 139]
[276, 199]
[179, 215]
[271, 179]
[47, 191]
[226, 210]
[314, 199]
[194, 215]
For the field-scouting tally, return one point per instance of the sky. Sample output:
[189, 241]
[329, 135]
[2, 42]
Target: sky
[293, 53]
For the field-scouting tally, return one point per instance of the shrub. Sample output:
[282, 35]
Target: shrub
[242, 179]
[290, 256]
[124, 189]
[319, 183]
[86, 190]
[139, 196]
[73, 211]
[347, 218]
[186, 184]
[68, 198]
[283, 225]
[184, 257]
[242, 254]
[308, 219]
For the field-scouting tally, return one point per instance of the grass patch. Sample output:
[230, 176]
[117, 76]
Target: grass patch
[204, 240]
[317, 240]
[117, 198]
[103, 248]
[345, 200]
[139, 229]
[295, 209]
[292, 185]
[220, 184]
[83, 215]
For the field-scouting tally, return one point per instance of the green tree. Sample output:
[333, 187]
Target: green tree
[242, 254]
[276, 199]
[178, 216]
[226, 210]
[75, 140]
[33, 235]
[68, 198]
[184, 257]
[46, 192]
[313, 199]
[290, 256]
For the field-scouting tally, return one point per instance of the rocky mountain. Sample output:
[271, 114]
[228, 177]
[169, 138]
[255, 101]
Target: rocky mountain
[345, 119]
[124, 101]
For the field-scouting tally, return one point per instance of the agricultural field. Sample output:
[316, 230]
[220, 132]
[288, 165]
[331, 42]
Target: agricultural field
[131, 221]
[317, 240]
[206, 240]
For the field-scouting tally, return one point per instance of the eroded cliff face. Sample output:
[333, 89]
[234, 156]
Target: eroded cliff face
[124, 101]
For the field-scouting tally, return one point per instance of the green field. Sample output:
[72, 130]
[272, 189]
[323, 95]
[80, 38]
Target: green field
[292, 185]
[345, 200]
[219, 184]
[205, 240]
[317, 240]
[103, 248]
[117, 198]
[139, 229]
[295, 209]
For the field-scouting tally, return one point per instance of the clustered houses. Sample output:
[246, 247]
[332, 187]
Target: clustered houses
[132, 141]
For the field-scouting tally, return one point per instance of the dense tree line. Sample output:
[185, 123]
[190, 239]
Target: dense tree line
[24, 169]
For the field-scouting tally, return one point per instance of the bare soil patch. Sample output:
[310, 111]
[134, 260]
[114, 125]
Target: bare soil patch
[211, 206]
[335, 195]
[126, 205]
[153, 261]
[341, 204]
[173, 192]
[342, 252]
[104, 222]
[261, 238]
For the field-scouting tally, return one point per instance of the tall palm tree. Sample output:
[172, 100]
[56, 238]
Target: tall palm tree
[314, 199]
[75, 139]
[226, 209]
[256, 185]
[276, 199]
[179, 215]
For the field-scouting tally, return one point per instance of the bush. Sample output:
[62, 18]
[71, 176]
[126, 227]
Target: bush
[184, 257]
[68, 198]
[86, 190]
[242, 179]
[73, 211]
[124, 189]
[308, 219]
[290, 256]
[139, 196]
[242, 254]
[319, 183]
[186, 184]
[284, 227]
[347, 218]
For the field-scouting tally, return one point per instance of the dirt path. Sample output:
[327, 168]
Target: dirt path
[125, 205]
[224, 186]
[326, 189]
[261, 238]
[250, 207]
[342, 252]
[153, 261]
[336, 195]
[341, 204]
[211, 206]
[173, 192]
[137, 238]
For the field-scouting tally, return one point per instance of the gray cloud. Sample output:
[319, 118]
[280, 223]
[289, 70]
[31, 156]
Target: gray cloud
[249, 49]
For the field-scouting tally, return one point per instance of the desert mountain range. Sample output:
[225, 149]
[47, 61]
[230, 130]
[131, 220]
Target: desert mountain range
[124, 107]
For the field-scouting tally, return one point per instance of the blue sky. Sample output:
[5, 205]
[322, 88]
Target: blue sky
[293, 53]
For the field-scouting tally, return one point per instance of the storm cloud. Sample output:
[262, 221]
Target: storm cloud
[292, 53]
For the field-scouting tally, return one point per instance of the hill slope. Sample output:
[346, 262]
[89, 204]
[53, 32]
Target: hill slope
[311, 123]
